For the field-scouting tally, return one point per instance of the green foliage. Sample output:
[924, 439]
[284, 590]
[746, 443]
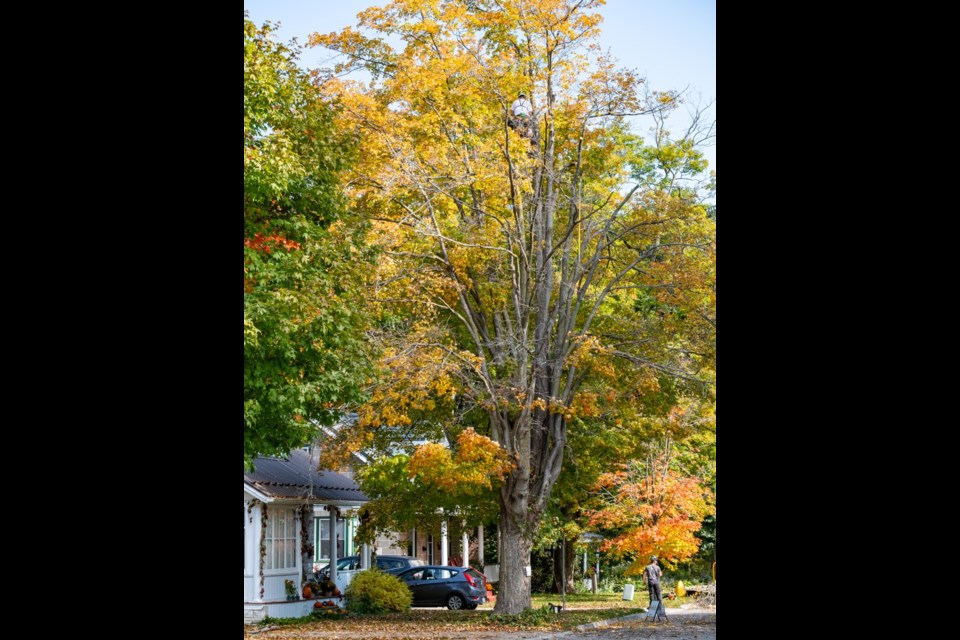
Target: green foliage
[374, 591]
[303, 258]
[415, 491]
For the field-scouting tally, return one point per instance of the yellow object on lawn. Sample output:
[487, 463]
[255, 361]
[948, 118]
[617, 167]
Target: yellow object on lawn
[680, 589]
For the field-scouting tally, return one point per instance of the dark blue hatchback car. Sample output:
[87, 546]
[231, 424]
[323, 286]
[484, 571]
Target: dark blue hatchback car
[450, 587]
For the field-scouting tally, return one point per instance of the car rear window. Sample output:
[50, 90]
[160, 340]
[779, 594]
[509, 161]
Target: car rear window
[416, 562]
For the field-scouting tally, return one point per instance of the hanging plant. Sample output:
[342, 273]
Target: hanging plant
[305, 542]
[250, 505]
[263, 544]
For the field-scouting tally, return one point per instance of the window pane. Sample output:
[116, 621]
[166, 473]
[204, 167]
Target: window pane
[324, 545]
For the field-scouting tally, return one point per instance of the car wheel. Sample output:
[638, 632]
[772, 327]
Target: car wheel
[455, 601]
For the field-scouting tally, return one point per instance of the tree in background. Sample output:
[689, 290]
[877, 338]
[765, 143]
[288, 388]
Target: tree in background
[657, 504]
[611, 441]
[522, 287]
[303, 257]
[433, 484]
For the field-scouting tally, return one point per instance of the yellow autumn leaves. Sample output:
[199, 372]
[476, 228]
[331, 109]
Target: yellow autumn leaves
[478, 463]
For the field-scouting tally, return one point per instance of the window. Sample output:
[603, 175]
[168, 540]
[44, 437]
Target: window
[321, 544]
[281, 539]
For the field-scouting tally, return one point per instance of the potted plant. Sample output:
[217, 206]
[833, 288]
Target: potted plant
[291, 590]
[327, 587]
[310, 589]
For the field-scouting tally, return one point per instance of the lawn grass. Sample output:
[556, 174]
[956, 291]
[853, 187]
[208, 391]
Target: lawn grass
[577, 601]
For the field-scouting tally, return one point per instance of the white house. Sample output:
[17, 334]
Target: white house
[288, 509]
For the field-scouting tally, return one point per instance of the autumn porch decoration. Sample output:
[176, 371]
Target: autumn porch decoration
[311, 589]
[327, 587]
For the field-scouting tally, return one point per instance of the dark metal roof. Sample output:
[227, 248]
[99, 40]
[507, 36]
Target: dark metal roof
[296, 476]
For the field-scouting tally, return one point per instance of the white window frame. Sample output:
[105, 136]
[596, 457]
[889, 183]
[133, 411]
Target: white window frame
[281, 529]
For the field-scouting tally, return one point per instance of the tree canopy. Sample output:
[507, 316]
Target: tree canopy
[304, 353]
[433, 484]
[523, 287]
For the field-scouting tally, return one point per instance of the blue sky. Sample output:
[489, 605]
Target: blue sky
[671, 42]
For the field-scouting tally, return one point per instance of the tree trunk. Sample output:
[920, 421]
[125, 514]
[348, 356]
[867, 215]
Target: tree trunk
[558, 569]
[516, 543]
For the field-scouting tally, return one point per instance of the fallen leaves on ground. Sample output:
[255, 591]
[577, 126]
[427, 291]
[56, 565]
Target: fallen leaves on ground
[419, 623]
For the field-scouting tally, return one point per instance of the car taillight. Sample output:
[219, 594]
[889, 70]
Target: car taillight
[469, 579]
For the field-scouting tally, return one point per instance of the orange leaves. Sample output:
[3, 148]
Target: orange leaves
[432, 464]
[478, 465]
[656, 509]
[483, 458]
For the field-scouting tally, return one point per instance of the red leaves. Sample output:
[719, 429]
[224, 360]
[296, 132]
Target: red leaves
[266, 244]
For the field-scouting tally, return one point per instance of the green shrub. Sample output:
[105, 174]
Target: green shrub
[374, 591]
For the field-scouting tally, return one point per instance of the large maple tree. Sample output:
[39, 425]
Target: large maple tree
[529, 284]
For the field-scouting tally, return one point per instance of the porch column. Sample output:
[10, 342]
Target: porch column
[444, 551]
[256, 514]
[307, 568]
[480, 550]
[333, 544]
[365, 558]
[465, 545]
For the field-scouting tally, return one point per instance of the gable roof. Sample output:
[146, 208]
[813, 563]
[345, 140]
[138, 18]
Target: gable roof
[296, 476]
